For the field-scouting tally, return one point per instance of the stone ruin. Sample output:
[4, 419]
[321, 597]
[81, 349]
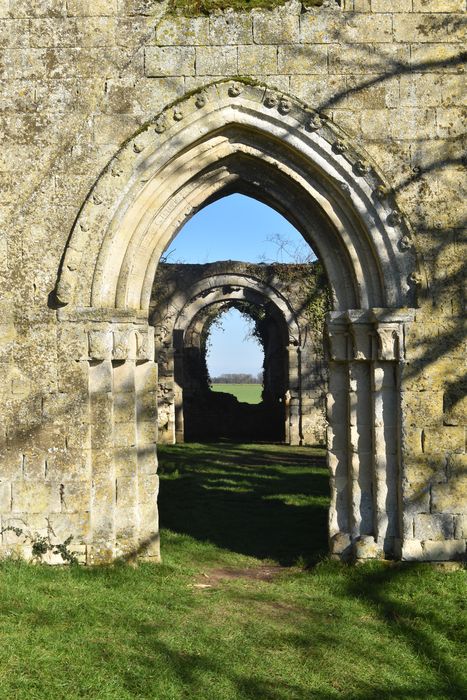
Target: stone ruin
[287, 304]
[119, 122]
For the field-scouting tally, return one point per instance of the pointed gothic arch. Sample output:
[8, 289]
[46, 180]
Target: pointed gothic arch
[180, 322]
[239, 137]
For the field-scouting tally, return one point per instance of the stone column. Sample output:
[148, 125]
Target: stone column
[103, 492]
[293, 430]
[389, 355]
[366, 349]
[179, 383]
[360, 426]
[146, 439]
[337, 411]
[125, 457]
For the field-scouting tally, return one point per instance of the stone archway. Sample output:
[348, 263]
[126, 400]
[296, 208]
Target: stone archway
[184, 298]
[245, 138]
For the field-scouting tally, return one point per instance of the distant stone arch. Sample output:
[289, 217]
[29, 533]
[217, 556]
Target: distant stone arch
[240, 137]
[186, 296]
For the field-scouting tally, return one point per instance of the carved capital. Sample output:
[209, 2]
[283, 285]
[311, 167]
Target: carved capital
[361, 333]
[100, 344]
[388, 343]
[338, 338]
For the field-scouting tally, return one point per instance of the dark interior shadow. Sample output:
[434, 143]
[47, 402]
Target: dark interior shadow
[269, 502]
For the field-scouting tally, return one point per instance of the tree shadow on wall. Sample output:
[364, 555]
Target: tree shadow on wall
[269, 502]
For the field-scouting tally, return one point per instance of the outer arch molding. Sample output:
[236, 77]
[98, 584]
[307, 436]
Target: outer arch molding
[228, 137]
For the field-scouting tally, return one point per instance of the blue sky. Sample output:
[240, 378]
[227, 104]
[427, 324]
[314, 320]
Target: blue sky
[235, 228]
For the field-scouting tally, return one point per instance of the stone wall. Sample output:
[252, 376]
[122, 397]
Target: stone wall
[288, 303]
[78, 386]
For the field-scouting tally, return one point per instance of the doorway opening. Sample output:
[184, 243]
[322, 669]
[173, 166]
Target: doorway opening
[247, 139]
[263, 458]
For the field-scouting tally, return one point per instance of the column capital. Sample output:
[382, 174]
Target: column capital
[337, 336]
[368, 334]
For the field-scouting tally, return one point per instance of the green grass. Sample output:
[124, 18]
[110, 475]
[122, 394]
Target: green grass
[327, 631]
[247, 393]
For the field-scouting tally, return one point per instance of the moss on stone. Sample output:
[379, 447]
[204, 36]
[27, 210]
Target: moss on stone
[205, 7]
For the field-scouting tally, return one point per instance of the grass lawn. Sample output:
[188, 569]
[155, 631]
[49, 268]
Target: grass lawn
[204, 625]
[247, 393]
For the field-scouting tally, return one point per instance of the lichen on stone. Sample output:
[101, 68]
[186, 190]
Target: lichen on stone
[192, 8]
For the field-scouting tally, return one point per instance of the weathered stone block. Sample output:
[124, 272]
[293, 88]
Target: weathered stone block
[14, 34]
[413, 123]
[148, 485]
[125, 434]
[75, 497]
[438, 6]
[35, 497]
[5, 496]
[147, 459]
[127, 492]
[460, 527]
[40, 8]
[96, 31]
[436, 57]
[215, 60]
[92, 8]
[75, 524]
[355, 59]
[101, 421]
[443, 550]
[426, 470]
[429, 28]
[365, 547]
[168, 61]
[451, 497]
[53, 32]
[321, 27]
[416, 496]
[428, 89]
[341, 544]
[147, 432]
[423, 408]
[11, 462]
[412, 550]
[451, 122]
[231, 28]
[257, 59]
[179, 31]
[302, 59]
[445, 439]
[125, 461]
[124, 408]
[113, 130]
[68, 465]
[100, 379]
[321, 93]
[433, 526]
[284, 30]
[391, 5]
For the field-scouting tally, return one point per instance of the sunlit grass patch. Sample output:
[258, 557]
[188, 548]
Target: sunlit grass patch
[245, 393]
[201, 625]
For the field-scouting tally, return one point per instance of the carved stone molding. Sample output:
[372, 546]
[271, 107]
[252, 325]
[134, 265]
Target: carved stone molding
[375, 334]
[121, 343]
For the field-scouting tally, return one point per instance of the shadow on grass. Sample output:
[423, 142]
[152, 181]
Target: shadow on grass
[410, 599]
[265, 501]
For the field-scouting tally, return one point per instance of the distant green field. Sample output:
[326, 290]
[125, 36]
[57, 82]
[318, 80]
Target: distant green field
[247, 393]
